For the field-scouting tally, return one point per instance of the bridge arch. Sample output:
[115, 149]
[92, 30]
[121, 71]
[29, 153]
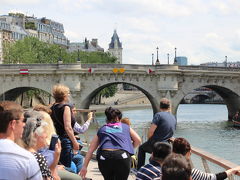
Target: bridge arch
[228, 94]
[14, 93]
[91, 94]
[200, 98]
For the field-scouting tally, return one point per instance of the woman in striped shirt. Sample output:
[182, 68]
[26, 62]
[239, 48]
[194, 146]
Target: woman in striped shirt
[182, 146]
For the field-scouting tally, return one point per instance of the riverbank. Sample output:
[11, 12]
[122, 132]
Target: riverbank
[101, 108]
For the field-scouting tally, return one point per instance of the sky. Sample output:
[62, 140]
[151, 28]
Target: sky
[202, 30]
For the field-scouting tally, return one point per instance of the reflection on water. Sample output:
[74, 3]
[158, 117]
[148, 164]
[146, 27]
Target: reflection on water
[205, 126]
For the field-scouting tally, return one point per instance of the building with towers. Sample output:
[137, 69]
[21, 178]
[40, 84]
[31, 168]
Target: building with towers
[115, 47]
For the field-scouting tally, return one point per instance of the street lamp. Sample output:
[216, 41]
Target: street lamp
[152, 59]
[225, 61]
[78, 57]
[168, 58]
[175, 58]
[60, 56]
[157, 61]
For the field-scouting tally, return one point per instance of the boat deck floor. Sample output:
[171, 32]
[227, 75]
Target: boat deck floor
[95, 174]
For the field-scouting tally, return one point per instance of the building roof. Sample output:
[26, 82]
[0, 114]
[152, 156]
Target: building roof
[18, 29]
[115, 38]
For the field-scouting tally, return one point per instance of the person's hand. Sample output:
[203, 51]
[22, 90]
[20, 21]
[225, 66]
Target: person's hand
[90, 116]
[83, 172]
[60, 167]
[57, 151]
[58, 148]
[235, 170]
[75, 148]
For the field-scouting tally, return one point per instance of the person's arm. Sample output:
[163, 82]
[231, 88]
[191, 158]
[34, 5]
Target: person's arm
[151, 130]
[93, 146]
[231, 171]
[135, 138]
[68, 127]
[53, 166]
[199, 175]
[81, 129]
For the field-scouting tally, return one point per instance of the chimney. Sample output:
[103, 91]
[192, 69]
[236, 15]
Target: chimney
[94, 42]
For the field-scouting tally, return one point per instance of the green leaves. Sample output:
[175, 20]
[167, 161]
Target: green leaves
[31, 50]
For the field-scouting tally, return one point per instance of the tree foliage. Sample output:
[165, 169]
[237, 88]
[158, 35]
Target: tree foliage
[30, 50]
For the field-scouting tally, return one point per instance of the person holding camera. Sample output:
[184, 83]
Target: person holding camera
[34, 138]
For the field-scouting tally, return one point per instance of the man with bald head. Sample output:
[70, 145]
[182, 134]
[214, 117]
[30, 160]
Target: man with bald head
[161, 130]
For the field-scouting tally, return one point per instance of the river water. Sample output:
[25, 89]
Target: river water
[205, 126]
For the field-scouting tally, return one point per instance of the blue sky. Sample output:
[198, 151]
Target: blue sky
[202, 30]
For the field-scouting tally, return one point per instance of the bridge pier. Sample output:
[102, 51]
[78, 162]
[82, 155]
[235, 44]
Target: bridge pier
[155, 82]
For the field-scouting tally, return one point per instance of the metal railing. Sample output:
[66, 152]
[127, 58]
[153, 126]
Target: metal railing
[201, 159]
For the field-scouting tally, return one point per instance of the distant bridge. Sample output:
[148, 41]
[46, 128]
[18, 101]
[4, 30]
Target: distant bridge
[202, 96]
[86, 80]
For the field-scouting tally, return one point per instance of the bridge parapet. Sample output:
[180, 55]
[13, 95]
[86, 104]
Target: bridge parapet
[86, 80]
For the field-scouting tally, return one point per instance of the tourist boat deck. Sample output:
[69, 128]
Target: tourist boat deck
[200, 159]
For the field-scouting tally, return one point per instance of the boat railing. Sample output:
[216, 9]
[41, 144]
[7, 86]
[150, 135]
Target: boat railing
[201, 159]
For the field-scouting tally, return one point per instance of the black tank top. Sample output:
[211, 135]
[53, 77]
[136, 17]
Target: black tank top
[57, 117]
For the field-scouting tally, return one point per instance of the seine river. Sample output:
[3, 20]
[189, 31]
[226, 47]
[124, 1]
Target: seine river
[204, 126]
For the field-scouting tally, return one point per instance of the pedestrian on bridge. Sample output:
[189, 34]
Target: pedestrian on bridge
[161, 130]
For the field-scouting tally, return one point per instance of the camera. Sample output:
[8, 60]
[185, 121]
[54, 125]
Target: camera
[80, 147]
[53, 142]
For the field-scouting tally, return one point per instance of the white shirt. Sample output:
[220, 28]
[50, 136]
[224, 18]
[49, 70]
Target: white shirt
[17, 163]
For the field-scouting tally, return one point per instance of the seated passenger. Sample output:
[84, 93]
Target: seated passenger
[152, 171]
[176, 167]
[15, 162]
[182, 146]
[34, 138]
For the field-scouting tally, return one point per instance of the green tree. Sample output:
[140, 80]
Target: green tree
[30, 50]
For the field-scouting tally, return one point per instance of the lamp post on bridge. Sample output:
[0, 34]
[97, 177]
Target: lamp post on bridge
[152, 59]
[78, 56]
[175, 58]
[168, 58]
[225, 61]
[60, 56]
[157, 61]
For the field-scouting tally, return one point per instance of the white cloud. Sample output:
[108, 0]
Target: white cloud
[222, 7]
[19, 2]
[72, 35]
[201, 30]
[211, 35]
[141, 24]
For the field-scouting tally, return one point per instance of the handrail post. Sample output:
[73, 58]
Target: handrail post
[205, 165]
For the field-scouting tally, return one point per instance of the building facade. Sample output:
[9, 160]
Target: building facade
[5, 37]
[16, 26]
[235, 64]
[89, 46]
[181, 60]
[115, 47]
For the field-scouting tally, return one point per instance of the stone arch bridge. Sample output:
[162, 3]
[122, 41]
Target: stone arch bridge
[86, 80]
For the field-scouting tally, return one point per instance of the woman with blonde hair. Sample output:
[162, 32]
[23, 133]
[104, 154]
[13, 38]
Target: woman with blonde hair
[64, 123]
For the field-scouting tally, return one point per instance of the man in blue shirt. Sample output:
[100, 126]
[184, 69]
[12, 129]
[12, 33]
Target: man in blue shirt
[161, 130]
[152, 171]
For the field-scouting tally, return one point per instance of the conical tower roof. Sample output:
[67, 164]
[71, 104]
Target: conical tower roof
[115, 38]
